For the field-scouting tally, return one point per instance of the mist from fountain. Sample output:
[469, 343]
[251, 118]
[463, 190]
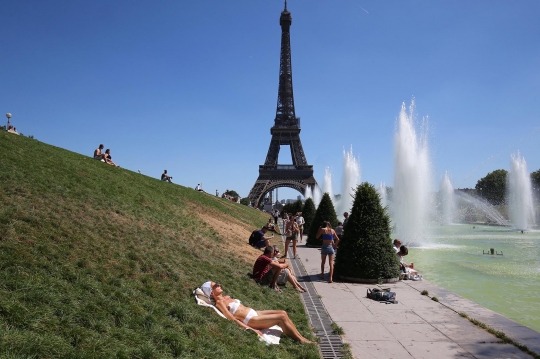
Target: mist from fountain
[447, 199]
[308, 193]
[519, 194]
[349, 181]
[317, 196]
[382, 193]
[485, 207]
[412, 179]
[327, 184]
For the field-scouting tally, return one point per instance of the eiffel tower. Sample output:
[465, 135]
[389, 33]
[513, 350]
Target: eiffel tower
[286, 131]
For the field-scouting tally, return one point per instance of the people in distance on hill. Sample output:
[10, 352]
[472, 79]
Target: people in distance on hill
[260, 240]
[199, 187]
[339, 230]
[248, 318]
[397, 245]
[98, 153]
[300, 222]
[405, 268]
[286, 274]
[108, 158]
[330, 242]
[291, 235]
[166, 177]
[217, 193]
[266, 271]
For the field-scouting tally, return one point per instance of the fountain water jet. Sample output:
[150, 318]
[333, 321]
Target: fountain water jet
[412, 179]
[327, 184]
[448, 201]
[349, 182]
[519, 191]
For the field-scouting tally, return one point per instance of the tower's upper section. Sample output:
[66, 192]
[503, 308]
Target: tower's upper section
[285, 114]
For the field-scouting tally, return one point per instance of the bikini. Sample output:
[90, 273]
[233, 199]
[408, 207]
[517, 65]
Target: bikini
[233, 307]
[328, 237]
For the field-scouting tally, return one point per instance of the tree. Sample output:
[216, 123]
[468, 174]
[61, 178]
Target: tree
[325, 212]
[293, 207]
[233, 194]
[366, 251]
[493, 187]
[308, 212]
[535, 181]
[245, 201]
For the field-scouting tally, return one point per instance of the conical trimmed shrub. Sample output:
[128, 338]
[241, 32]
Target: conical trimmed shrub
[308, 212]
[325, 212]
[366, 251]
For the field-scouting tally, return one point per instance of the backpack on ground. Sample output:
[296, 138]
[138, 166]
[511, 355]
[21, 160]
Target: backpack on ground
[382, 295]
[252, 237]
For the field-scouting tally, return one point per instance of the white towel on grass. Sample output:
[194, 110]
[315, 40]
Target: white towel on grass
[271, 335]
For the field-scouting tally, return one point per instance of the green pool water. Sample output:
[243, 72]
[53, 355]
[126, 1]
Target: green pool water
[507, 284]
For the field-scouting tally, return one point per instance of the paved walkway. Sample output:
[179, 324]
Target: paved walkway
[416, 327]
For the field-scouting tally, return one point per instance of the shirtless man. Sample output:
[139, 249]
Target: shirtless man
[99, 155]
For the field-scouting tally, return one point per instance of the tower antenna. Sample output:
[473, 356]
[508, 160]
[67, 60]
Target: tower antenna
[285, 5]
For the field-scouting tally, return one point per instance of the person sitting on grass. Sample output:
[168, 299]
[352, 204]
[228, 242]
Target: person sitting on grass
[108, 158]
[286, 274]
[405, 268]
[248, 318]
[266, 271]
[166, 177]
[98, 154]
[260, 240]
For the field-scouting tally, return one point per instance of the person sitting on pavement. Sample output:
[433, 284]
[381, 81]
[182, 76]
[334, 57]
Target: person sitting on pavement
[166, 177]
[286, 274]
[98, 154]
[397, 245]
[260, 240]
[405, 268]
[248, 318]
[266, 271]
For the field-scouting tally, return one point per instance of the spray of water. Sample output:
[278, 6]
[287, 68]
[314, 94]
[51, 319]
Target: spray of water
[327, 184]
[382, 193]
[447, 199]
[412, 179]
[349, 181]
[519, 192]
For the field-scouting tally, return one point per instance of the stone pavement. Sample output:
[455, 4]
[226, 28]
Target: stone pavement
[416, 327]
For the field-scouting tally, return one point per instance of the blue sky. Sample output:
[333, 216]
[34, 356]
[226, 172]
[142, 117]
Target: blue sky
[191, 86]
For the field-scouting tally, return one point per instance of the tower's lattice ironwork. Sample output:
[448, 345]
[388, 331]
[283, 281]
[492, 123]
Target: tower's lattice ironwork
[286, 131]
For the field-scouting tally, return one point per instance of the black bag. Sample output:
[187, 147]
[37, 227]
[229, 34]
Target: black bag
[382, 295]
[252, 238]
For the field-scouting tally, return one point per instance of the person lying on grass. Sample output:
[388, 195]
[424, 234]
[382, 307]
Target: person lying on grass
[248, 318]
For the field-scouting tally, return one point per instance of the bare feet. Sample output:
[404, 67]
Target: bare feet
[320, 276]
[330, 281]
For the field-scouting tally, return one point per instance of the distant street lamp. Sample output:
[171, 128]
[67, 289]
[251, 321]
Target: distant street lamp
[8, 115]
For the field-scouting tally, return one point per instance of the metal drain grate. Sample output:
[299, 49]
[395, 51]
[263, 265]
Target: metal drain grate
[330, 345]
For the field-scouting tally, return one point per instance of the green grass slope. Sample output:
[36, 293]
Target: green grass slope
[100, 262]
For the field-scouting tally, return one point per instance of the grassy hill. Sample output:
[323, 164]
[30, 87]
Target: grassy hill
[100, 262]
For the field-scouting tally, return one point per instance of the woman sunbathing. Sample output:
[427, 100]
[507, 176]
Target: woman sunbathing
[248, 318]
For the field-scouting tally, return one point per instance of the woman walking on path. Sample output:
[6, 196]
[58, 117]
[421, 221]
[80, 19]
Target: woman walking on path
[291, 233]
[330, 242]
